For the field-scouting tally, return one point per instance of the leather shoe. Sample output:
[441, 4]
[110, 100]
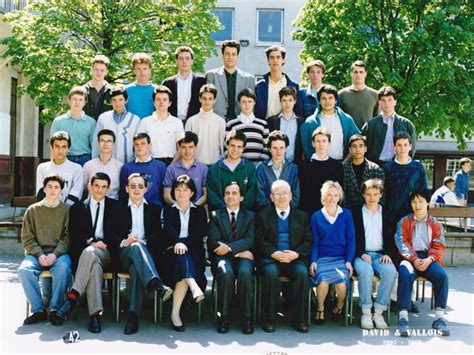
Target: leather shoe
[269, 327]
[66, 308]
[94, 324]
[301, 327]
[178, 328]
[36, 317]
[131, 327]
[165, 293]
[222, 326]
[55, 319]
[247, 326]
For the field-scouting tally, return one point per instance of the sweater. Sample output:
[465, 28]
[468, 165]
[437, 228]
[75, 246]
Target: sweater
[220, 176]
[45, 230]
[140, 100]
[333, 240]
[210, 129]
[362, 105]
[313, 174]
[400, 181]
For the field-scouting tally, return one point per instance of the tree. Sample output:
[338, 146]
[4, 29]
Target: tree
[423, 48]
[54, 41]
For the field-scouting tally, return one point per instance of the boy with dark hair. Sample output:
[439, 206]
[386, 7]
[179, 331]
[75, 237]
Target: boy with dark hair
[72, 173]
[124, 124]
[289, 123]
[315, 70]
[208, 126]
[79, 126]
[187, 165]
[164, 129]
[234, 167]
[255, 129]
[98, 89]
[45, 239]
[185, 85]
[229, 80]
[420, 242]
[339, 124]
[140, 102]
[267, 89]
[276, 168]
[381, 129]
[445, 194]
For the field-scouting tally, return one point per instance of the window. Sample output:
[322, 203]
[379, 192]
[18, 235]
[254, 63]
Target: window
[269, 26]
[428, 163]
[226, 18]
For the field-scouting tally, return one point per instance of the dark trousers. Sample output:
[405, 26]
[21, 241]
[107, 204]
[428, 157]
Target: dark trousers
[297, 272]
[435, 273]
[226, 269]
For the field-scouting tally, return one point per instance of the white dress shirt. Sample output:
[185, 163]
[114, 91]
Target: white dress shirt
[138, 221]
[184, 94]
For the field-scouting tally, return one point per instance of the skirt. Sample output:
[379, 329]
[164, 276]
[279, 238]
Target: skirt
[331, 270]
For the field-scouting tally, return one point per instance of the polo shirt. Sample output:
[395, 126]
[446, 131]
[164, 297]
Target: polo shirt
[197, 172]
[81, 131]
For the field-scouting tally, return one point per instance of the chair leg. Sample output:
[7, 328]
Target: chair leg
[423, 292]
[259, 298]
[388, 311]
[117, 299]
[27, 309]
[155, 306]
[310, 292]
[417, 290]
[348, 301]
[214, 293]
[199, 310]
[255, 296]
[113, 297]
[160, 309]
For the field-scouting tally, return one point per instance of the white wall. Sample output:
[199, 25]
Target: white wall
[252, 58]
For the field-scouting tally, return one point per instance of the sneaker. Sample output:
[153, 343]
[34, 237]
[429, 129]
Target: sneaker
[380, 321]
[440, 325]
[366, 321]
[36, 317]
[403, 329]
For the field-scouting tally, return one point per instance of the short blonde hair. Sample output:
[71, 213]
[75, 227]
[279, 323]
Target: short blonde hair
[331, 184]
[141, 58]
[101, 59]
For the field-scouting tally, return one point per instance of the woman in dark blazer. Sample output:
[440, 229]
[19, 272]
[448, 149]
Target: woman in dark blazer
[181, 256]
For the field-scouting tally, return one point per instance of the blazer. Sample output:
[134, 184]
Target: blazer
[217, 77]
[197, 230]
[81, 229]
[151, 217]
[274, 125]
[220, 231]
[266, 239]
[194, 104]
[387, 234]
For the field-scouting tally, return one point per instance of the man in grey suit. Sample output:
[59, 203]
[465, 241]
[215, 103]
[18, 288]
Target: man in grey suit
[231, 237]
[229, 81]
[282, 253]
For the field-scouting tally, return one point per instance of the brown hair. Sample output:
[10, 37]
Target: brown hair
[141, 58]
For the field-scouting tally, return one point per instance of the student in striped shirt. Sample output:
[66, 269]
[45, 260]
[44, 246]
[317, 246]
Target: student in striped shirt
[255, 129]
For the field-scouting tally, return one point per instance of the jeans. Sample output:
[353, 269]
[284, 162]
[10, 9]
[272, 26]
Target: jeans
[365, 271]
[29, 272]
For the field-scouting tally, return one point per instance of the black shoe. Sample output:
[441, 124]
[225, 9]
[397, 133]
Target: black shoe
[414, 308]
[247, 326]
[132, 325]
[178, 328]
[66, 308]
[269, 326]
[94, 324]
[222, 325]
[36, 317]
[55, 319]
[301, 327]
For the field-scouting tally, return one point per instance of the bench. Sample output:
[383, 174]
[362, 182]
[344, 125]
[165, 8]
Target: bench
[463, 213]
[18, 202]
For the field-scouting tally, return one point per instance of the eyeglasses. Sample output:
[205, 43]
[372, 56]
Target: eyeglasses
[139, 186]
[281, 194]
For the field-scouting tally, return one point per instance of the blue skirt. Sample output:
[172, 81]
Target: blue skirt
[331, 270]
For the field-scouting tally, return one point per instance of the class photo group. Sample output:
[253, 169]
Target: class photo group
[301, 187]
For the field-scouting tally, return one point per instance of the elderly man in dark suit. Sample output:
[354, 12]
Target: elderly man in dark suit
[231, 237]
[93, 242]
[140, 229]
[229, 81]
[283, 240]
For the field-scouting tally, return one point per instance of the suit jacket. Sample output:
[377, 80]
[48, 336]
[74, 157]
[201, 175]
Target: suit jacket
[388, 234]
[151, 217]
[81, 229]
[194, 104]
[197, 230]
[274, 125]
[217, 77]
[220, 231]
[266, 240]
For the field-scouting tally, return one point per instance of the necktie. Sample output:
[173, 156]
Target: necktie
[233, 225]
[282, 214]
[96, 217]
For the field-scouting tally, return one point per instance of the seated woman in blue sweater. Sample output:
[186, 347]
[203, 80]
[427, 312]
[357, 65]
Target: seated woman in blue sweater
[181, 256]
[333, 248]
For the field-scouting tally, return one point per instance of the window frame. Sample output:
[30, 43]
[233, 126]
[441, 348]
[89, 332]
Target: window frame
[282, 31]
[227, 9]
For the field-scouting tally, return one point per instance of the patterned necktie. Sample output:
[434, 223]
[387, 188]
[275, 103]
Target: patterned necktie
[233, 225]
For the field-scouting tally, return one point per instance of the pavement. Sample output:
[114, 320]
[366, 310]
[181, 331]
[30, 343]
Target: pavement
[201, 338]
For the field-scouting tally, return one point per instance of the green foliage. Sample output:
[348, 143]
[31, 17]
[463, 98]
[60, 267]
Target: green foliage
[54, 41]
[423, 48]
